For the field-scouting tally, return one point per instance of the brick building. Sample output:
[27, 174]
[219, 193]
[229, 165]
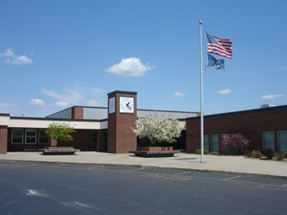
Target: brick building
[109, 128]
[97, 128]
[264, 127]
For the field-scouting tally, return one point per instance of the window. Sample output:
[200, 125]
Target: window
[268, 140]
[43, 137]
[94, 138]
[206, 142]
[31, 136]
[17, 136]
[214, 142]
[282, 141]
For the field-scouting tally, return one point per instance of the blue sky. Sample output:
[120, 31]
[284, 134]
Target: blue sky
[57, 54]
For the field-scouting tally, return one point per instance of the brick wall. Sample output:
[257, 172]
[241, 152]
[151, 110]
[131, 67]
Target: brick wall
[250, 123]
[126, 139]
[121, 138]
[82, 139]
[78, 112]
[3, 139]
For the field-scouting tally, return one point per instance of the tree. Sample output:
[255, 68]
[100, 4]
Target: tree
[60, 132]
[234, 144]
[157, 128]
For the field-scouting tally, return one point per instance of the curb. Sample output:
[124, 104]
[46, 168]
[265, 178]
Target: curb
[154, 167]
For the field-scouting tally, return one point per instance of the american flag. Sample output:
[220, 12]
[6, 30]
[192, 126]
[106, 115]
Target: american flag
[218, 46]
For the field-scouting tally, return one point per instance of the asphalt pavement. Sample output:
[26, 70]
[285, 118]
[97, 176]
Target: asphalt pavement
[182, 161]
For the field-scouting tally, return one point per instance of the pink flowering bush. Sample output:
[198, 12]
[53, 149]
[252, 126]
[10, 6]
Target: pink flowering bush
[234, 144]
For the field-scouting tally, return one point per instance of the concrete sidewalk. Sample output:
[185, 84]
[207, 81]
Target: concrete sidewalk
[213, 163]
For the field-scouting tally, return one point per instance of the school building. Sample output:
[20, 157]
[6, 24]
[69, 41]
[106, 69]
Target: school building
[109, 128]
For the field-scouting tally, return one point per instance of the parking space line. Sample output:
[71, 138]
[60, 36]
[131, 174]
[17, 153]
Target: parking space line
[227, 179]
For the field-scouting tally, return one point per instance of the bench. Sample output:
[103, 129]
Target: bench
[153, 153]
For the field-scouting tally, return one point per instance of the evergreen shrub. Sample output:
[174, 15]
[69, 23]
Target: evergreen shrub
[198, 152]
[256, 154]
[269, 153]
[214, 153]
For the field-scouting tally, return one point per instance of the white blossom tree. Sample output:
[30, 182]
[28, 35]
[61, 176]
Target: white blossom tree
[157, 128]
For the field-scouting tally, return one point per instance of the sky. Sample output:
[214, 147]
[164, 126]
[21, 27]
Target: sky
[60, 53]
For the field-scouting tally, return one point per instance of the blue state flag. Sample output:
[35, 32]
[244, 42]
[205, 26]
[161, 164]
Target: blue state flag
[216, 63]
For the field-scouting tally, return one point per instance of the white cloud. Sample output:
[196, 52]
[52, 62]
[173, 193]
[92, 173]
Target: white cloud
[37, 102]
[284, 68]
[71, 96]
[272, 96]
[7, 105]
[76, 96]
[224, 92]
[62, 104]
[12, 58]
[129, 67]
[93, 102]
[178, 94]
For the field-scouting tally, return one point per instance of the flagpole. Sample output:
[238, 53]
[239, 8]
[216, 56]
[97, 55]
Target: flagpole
[201, 94]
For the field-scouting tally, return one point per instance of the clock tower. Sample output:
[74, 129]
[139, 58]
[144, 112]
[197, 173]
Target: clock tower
[122, 114]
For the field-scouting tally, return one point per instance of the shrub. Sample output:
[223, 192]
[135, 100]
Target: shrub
[284, 154]
[256, 154]
[198, 152]
[279, 156]
[214, 153]
[248, 153]
[269, 153]
[234, 144]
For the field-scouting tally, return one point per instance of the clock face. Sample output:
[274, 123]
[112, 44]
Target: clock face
[126, 104]
[112, 107]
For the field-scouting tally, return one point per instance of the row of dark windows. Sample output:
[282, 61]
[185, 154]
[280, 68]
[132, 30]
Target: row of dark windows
[39, 136]
[212, 141]
[29, 136]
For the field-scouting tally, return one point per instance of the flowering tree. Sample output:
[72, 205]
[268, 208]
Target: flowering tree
[157, 128]
[60, 132]
[234, 144]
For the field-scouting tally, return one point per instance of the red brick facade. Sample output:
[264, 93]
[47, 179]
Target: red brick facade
[78, 112]
[117, 137]
[249, 123]
[82, 139]
[3, 139]
[121, 138]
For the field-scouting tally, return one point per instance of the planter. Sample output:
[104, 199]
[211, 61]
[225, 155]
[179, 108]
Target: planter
[58, 148]
[155, 149]
[164, 151]
[153, 153]
[53, 150]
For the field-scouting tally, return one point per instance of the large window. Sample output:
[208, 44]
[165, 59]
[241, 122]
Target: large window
[268, 140]
[282, 141]
[43, 137]
[206, 142]
[214, 142]
[17, 136]
[31, 136]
